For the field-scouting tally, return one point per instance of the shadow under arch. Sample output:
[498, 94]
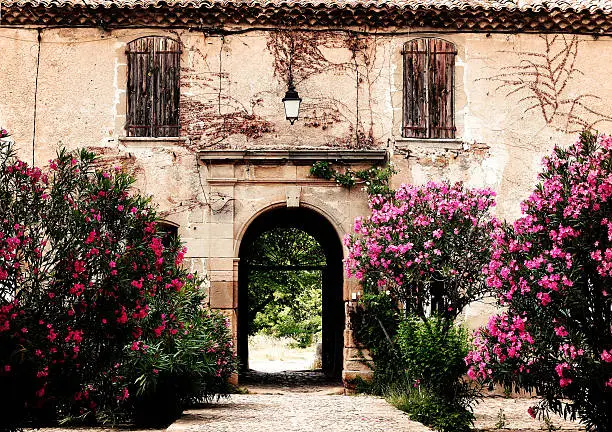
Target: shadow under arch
[333, 314]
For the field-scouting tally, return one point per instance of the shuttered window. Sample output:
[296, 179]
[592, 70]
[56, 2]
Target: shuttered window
[429, 77]
[153, 87]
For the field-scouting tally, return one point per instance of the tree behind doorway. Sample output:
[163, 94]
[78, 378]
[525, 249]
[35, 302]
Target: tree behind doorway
[285, 278]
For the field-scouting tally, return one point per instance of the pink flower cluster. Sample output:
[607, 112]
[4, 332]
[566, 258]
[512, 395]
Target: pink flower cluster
[424, 233]
[503, 338]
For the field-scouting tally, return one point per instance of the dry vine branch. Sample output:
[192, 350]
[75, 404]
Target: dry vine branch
[543, 79]
[209, 112]
[308, 59]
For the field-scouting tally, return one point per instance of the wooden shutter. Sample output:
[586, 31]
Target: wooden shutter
[153, 87]
[441, 82]
[415, 90]
[429, 74]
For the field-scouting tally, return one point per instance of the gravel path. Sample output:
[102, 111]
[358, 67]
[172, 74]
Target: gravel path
[296, 412]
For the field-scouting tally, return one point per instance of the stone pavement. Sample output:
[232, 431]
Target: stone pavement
[270, 409]
[304, 401]
[296, 401]
[514, 411]
[296, 412]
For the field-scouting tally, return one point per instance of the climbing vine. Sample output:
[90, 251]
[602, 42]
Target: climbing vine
[355, 59]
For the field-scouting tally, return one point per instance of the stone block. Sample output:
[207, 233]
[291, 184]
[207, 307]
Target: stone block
[349, 375]
[221, 230]
[222, 212]
[221, 171]
[293, 196]
[303, 172]
[196, 215]
[351, 378]
[286, 172]
[196, 247]
[351, 289]
[355, 354]
[255, 194]
[219, 264]
[356, 365]
[222, 295]
[198, 230]
[221, 275]
[349, 341]
[222, 248]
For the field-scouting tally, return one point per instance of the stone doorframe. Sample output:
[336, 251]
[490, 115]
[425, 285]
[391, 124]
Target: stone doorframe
[243, 184]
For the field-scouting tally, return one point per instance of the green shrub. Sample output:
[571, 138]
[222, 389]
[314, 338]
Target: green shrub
[305, 332]
[435, 391]
[438, 413]
[433, 351]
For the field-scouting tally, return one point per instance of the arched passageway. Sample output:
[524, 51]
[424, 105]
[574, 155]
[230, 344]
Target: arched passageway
[333, 314]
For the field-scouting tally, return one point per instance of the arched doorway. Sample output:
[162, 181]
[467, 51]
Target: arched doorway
[333, 315]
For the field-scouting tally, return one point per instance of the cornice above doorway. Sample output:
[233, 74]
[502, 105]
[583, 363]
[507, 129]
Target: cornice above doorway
[296, 157]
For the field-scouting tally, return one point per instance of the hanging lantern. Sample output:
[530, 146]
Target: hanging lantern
[292, 103]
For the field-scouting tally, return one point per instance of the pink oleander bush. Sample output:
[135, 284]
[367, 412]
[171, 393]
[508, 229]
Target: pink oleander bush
[553, 273]
[99, 322]
[425, 246]
[419, 257]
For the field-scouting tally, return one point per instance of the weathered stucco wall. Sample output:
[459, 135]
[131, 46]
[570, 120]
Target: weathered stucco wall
[516, 96]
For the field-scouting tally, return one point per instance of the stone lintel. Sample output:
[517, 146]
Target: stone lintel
[297, 157]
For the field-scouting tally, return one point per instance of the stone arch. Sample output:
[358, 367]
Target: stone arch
[315, 222]
[332, 217]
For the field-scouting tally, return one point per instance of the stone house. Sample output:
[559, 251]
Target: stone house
[187, 94]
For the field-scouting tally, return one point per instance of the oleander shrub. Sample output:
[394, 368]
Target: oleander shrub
[425, 246]
[553, 273]
[96, 312]
[419, 257]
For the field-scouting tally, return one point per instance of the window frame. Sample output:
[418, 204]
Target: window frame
[427, 74]
[170, 230]
[161, 91]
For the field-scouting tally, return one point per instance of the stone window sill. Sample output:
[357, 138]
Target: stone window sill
[433, 144]
[152, 141]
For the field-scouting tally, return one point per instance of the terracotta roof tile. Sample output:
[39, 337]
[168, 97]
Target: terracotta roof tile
[496, 5]
[576, 16]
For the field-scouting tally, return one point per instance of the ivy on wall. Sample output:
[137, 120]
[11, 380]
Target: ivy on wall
[375, 179]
